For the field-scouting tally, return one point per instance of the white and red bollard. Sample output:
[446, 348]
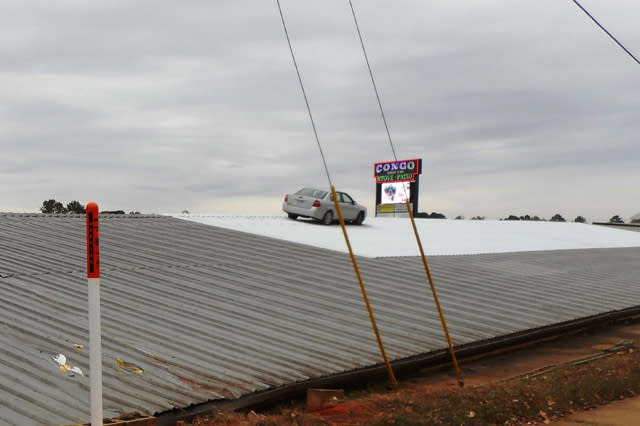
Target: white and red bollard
[95, 334]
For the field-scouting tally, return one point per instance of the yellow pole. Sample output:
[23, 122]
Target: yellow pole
[392, 377]
[435, 297]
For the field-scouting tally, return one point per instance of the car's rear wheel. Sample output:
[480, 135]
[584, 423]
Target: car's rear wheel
[359, 219]
[292, 216]
[327, 219]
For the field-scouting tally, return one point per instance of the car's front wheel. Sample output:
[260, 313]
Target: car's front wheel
[327, 219]
[292, 216]
[359, 219]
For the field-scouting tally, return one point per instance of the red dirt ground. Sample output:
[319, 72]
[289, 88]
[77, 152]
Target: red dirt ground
[503, 367]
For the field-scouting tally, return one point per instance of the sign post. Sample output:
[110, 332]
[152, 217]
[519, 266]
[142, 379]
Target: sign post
[95, 335]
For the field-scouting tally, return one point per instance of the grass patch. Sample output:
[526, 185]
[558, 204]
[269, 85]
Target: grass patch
[541, 398]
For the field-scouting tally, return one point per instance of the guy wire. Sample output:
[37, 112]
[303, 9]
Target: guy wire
[304, 93]
[375, 88]
[334, 195]
[605, 30]
[413, 222]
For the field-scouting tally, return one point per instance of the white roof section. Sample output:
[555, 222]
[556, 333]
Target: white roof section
[386, 237]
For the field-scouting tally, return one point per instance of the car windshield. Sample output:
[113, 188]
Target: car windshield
[314, 193]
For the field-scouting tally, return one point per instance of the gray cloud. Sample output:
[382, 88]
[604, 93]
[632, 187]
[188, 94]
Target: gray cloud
[523, 107]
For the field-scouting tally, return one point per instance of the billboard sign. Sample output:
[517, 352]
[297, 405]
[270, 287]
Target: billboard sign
[397, 171]
[395, 192]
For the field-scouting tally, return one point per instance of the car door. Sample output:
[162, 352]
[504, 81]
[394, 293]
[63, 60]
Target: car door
[348, 205]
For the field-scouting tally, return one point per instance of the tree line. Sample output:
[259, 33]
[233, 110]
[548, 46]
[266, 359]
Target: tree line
[73, 207]
[53, 206]
[558, 218]
[555, 218]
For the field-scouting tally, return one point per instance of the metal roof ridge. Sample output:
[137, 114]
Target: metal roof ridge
[82, 215]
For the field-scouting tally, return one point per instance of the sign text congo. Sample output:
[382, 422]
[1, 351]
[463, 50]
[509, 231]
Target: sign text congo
[397, 171]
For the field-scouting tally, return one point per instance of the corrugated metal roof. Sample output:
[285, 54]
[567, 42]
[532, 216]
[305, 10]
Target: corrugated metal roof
[210, 313]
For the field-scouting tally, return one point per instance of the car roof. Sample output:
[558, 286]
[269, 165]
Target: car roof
[318, 189]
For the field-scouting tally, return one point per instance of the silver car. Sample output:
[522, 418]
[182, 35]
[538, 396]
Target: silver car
[318, 204]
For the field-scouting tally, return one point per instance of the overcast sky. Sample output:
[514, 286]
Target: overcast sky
[516, 107]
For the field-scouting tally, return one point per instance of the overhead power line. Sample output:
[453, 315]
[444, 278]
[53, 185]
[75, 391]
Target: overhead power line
[605, 30]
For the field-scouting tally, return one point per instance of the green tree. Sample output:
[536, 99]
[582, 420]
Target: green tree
[52, 206]
[580, 219]
[616, 219]
[557, 218]
[75, 207]
[425, 215]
